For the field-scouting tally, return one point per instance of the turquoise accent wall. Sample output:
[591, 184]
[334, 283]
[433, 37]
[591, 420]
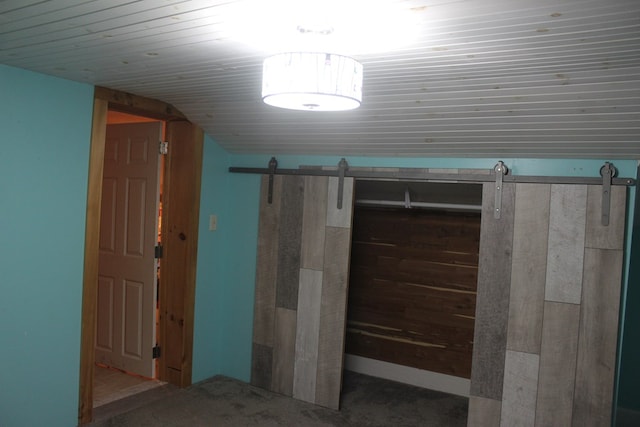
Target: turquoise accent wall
[226, 269]
[44, 146]
[211, 289]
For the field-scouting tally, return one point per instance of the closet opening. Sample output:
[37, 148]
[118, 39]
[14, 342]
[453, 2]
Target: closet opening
[412, 283]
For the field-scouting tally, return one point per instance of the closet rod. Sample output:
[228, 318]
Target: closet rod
[365, 202]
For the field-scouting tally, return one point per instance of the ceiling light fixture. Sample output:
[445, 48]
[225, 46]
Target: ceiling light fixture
[351, 27]
[312, 42]
[312, 81]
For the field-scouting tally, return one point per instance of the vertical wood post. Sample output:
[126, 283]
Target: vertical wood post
[180, 215]
[90, 275]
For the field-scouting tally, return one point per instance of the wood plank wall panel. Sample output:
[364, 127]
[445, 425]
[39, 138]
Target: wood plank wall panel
[484, 412]
[264, 311]
[520, 389]
[598, 337]
[313, 222]
[404, 351]
[302, 354]
[412, 288]
[290, 235]
[333, 316]
[566, 242]
[599, 314]
[492, 306]
[528, 267]
[557, 364]
[415, 310]
[261, 364]
[307, 334]
[579, 322]
[267, 262]
[284, 351]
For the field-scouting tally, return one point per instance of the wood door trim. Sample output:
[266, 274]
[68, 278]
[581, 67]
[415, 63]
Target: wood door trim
[105, 99]
[91, 243]
[138, 105]
[180, 217]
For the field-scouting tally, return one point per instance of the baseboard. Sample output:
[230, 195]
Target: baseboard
[407, 375]
[627, 417]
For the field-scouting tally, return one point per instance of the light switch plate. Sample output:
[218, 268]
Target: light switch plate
[213, 222]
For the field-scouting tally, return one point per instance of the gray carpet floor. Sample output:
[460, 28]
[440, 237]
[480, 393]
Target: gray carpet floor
[222, 401]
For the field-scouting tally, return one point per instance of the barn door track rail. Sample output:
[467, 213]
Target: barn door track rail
[499, 175]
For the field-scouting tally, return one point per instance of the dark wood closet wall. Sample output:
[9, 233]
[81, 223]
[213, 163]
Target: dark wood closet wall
[412, 287]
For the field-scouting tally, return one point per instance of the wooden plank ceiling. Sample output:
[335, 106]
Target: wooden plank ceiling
[499, 78]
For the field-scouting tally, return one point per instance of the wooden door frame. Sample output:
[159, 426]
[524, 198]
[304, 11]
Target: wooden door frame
[105, 99]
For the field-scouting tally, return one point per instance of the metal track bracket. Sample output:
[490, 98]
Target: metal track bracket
[501, 170]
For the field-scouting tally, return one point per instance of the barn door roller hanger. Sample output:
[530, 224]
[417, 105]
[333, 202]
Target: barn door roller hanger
[273, 165]
[499, 175]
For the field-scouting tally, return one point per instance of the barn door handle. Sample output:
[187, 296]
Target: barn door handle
[607, 172]
[273, 164]
[342, 168]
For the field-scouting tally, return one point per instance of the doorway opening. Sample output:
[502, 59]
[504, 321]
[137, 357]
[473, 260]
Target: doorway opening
[127, 318]
[413, 280]
[180, 218]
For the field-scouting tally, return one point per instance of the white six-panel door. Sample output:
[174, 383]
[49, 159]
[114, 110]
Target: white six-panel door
[125, 333]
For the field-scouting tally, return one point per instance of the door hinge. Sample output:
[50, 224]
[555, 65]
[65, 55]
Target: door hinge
[156, 352]
[158, 252]
[164, 147]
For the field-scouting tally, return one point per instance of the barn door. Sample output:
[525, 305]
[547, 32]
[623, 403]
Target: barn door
[301, 288]
[547, 307]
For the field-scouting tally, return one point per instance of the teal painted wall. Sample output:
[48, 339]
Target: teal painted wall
[226, 264]
[232, 324]
[211, 289]
[44, 158]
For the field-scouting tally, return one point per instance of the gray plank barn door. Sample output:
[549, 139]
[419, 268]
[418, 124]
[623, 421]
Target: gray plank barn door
[302, 274]
[547, 307]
